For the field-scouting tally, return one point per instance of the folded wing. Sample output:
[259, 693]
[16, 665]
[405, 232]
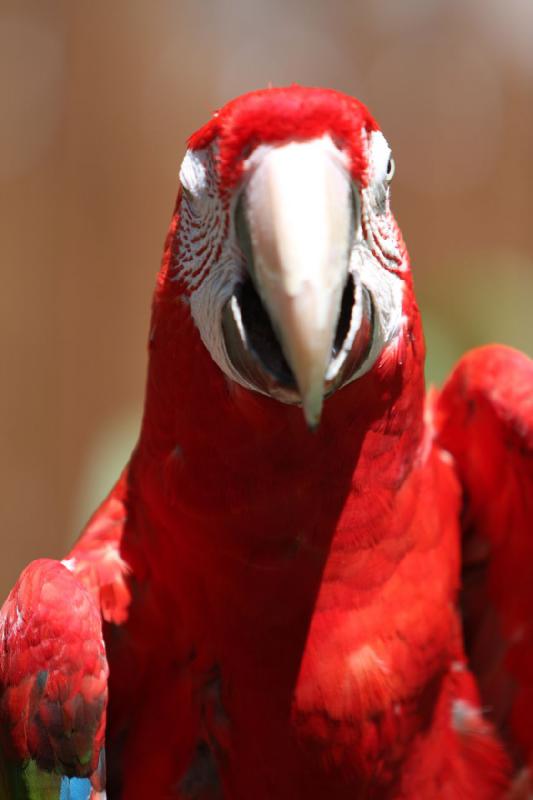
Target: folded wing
[484, 419]
[53, 688]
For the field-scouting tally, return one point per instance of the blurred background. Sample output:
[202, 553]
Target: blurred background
[97, 100]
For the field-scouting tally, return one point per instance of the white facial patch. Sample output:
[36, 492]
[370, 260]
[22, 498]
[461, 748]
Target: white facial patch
[386, 291]
[193, 172]
[380, 157]
[379, 227]
[210, 262]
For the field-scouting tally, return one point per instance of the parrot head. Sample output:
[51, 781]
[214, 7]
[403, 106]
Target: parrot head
[286, 250]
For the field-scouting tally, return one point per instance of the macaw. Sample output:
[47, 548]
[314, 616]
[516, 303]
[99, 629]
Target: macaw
[311, 580]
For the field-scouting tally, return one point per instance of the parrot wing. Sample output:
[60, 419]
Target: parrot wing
[96, 558]
[53, 688]
[484, 419]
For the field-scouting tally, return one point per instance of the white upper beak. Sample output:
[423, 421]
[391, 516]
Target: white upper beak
[299, 213]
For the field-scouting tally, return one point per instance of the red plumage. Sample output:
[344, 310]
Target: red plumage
[279, 115]
[485, 419]
[281, 606]
[53, 672]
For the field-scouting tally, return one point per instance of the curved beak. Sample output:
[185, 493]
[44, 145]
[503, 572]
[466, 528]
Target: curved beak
[299, 216]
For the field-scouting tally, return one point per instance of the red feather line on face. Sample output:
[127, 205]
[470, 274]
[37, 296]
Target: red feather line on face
[278, 115]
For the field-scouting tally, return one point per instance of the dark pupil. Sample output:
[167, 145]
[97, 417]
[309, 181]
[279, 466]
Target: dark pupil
[389, 166]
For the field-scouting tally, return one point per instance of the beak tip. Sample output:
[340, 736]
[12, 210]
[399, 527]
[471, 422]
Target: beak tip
[312, 408]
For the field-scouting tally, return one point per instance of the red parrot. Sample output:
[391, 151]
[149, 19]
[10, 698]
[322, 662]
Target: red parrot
[312, 581]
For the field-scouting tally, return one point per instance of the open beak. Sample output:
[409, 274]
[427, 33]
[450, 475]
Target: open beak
[298, 210]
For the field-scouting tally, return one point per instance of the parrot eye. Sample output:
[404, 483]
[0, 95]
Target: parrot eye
[381, 160]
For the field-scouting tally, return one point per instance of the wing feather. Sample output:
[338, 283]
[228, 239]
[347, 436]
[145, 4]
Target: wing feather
[484, 418]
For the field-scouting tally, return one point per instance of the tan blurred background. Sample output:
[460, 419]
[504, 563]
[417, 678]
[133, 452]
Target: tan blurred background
[97, 100]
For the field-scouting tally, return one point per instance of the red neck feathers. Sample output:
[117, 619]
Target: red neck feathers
[245, 467]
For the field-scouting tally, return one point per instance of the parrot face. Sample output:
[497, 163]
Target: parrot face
[288, 252]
